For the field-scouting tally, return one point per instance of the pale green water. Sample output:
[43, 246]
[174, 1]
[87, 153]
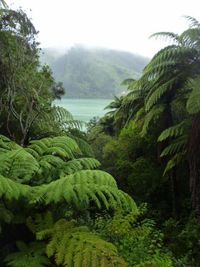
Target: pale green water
[84, 109]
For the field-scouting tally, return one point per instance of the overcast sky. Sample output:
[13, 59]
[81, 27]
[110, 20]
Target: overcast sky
[117, 24]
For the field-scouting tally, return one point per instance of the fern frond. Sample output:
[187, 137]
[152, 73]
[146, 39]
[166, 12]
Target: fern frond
[75, 246]
[174, 161]
[193, 103]
[11, 190]
[32, 255]
[6, 144]
[84, 147]
[18, 165]
[175, 147]
[62, 146]
[80, 164]
[152, 116]
[192, 21]
[159, 92]
[83, 188]
[173, 52]
[168, 36]
[174, 131]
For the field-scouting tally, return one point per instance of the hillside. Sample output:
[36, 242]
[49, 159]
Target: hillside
[93, 73]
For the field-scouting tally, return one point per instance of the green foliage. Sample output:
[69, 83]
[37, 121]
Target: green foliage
[18, 165]
[32, 255]
[137, 240]
[11, 190]
[76, 246]
[193, 106]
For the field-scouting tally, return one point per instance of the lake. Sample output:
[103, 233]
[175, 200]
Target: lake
[84, 109]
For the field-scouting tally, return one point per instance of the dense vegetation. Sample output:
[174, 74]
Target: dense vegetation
[56, 207]
[150, 142]
[93, 73]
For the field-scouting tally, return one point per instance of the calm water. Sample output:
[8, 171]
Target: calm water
[84, 109]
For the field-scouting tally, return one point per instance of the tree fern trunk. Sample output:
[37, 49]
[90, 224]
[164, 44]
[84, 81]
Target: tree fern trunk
[173, 178]
[194, 164]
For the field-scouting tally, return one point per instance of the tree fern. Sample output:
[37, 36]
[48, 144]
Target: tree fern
[73, 246]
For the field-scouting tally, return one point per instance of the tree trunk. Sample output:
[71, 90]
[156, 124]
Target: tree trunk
[194, 164]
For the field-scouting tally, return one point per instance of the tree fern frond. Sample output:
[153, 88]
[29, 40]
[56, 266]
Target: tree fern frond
[32, 255]
[192, 21]
[175, 147]
[40, 221]
[84, 147]
[174, 131]
[18, 165]
[152, 116]
[159, 92]
[80, 164]
[62, 146]
[169, 53]
[168, 36]
[83, 188]
[11, 190]
[193, 103]
[174, 161]
[191, 38]
[6, 144]
[61, 114]
[75, 246]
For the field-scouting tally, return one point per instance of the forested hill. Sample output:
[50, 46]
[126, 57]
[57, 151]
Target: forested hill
[93, 73]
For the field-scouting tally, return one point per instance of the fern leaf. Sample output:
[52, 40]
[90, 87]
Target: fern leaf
[177, 146]
[193, 103]
[174, 131]
[75, 246]
[32, 255]
[152, 116]
[84, 187]
[11, 190]
[174, 161]
[18, 165]
[80, 164]
[159, 92]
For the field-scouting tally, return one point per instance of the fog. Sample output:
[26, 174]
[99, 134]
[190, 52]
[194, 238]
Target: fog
[116, 24]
